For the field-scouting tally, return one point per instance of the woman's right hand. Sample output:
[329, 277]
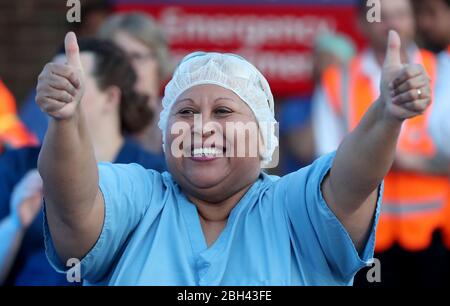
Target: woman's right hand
[60, 87]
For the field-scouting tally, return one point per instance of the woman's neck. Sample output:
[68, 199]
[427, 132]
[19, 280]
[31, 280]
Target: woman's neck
[150, 138]
[107, 145]
[214, 216]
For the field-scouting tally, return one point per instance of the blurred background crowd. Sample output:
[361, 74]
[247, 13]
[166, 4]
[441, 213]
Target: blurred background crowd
[322, 59]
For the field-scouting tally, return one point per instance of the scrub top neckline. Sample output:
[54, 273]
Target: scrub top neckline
[195, 231]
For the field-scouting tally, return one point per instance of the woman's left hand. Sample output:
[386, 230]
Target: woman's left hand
[405, 88]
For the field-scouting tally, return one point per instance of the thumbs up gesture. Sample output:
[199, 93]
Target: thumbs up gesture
[405, 88]
[60, 86]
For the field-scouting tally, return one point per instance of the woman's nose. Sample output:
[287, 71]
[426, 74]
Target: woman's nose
[205, 126]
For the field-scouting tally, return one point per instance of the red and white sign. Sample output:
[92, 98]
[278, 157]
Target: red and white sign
[275, 38]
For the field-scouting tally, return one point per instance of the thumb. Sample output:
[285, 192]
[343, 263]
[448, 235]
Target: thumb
[393, 57]
[72, 50]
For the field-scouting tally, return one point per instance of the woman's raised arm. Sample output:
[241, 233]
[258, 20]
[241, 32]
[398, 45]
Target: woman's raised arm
[366, 155]
[67, 164]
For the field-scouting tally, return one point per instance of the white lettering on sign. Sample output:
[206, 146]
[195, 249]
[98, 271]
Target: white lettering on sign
[248, 30]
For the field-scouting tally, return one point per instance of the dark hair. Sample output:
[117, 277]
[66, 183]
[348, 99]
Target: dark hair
[89, 7]
[446, 2]
[362, 7]
[113, 68]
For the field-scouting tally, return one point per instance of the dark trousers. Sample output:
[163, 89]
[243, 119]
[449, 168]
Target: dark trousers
[401, 268]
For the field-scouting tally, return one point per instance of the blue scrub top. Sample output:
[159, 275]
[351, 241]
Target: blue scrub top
[31, 266]
[280, 233]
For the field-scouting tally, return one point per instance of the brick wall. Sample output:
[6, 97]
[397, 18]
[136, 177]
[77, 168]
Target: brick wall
[30, 33]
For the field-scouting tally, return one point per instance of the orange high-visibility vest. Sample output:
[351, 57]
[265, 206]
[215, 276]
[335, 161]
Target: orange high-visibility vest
[12, 132]
[413, 203]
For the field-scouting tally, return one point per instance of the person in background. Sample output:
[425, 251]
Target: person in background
[24, 206]
[433, 23]
[144, 42]
[440, 132]
[440, 117]
[93, 13]
[112, 109]
[297, 139]
[433, 19]
[416, 188]
[13, 134]
[330, 51]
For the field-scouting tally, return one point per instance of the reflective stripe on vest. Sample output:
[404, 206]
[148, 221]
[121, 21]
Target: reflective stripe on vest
[405, 208]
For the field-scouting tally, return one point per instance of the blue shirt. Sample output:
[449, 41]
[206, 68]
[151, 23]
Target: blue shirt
[280, 233]
[34, 119]
[31, 266]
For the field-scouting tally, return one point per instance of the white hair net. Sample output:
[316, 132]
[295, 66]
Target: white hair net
[233, 73]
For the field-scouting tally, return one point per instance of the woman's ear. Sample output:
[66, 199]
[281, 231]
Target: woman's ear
[113, 96]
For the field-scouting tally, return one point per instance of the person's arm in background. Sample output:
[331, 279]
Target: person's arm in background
[25, 203]
[436, 165]
[328, 128]
[10, 235]
[67, 164]
[366, 154]
[439, 123]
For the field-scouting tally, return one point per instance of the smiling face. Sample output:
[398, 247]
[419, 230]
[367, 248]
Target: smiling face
[212, 168]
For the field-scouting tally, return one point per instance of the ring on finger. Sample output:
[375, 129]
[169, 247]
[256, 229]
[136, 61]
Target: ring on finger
[419, 93]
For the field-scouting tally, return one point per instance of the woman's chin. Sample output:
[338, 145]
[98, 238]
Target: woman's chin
[205, 179]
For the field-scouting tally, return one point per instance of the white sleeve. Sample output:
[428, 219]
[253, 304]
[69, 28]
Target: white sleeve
[328, 127]
[440, 117]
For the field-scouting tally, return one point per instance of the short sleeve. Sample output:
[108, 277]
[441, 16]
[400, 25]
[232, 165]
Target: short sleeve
[127, 192]
[322, 244]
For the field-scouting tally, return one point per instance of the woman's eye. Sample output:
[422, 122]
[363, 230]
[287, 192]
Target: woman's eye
[223, 111]
[186, 111]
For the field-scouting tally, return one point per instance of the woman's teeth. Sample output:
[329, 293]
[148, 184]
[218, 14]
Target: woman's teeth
[199, 152]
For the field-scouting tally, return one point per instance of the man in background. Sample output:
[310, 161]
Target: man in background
[416, 189]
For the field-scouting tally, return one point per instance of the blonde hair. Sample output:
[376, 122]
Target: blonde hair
[143, 28]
